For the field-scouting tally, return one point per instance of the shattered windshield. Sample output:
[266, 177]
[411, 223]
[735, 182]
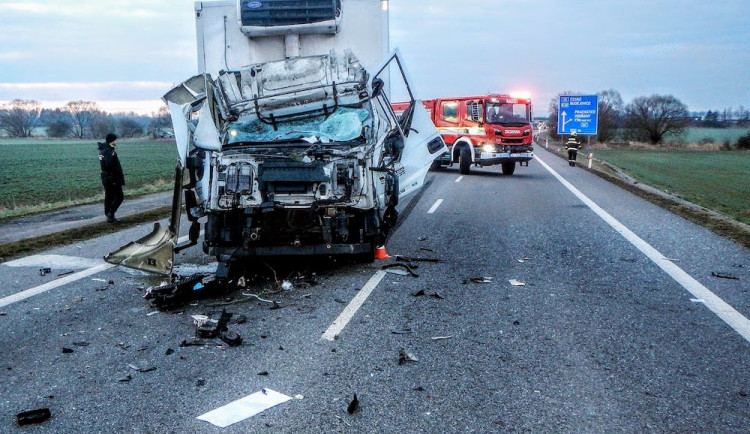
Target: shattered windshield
[505, 113]
[343, 125]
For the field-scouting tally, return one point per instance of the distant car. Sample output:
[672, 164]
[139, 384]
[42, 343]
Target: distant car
[166, 135]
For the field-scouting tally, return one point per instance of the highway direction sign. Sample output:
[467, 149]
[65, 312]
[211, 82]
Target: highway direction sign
[577, 113]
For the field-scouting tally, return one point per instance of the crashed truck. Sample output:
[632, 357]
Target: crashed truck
[287, 142]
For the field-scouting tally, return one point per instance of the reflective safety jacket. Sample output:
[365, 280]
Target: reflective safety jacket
[572, 143]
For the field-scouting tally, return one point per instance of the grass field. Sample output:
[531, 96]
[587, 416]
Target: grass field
[40, 174]
[713, 135]
[717, 180]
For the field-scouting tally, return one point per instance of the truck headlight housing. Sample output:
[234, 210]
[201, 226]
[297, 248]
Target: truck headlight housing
[488, 147]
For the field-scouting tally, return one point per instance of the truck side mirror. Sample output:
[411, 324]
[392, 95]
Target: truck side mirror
[474, 109]
[377, 87]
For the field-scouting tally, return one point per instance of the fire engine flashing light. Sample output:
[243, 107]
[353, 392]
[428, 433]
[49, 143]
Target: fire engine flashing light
[521, 95]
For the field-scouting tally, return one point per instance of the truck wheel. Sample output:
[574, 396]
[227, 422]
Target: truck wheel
[464, 161]
[509, 168]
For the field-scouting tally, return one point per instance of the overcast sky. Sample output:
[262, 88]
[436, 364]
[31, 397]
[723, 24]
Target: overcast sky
[126, 54]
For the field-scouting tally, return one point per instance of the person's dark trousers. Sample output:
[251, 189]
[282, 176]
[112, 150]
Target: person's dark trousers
[113, 197]
[572, 155]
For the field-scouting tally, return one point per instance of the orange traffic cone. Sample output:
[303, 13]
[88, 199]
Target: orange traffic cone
[380, 253]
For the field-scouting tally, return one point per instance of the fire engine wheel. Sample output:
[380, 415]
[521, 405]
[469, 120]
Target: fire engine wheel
[464, 161]
[509, 168]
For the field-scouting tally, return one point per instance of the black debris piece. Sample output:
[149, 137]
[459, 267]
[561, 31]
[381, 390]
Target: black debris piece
[516, 322]
[426, 249]
[353, 405]
[181, 291]
[193, 343]
[239, 319]
[231, 338]
[438, 296]
[416, 259]
[418, 293]
[724, 276]
[275, 306]
[81, 344]
[33, 416]
[125, 379]
[419, 389]
[65, 273]
[67, 350]
[338, 300]
[169, 352]
[481, 279]
[408, 268]
[401, 331]
[44, 271]
[263, 373]
[200, 382]
[211, 329]
[422, 239]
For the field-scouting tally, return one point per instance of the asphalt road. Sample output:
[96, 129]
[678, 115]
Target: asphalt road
[601, 338]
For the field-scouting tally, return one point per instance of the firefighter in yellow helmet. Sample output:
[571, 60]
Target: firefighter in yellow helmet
[572, 145]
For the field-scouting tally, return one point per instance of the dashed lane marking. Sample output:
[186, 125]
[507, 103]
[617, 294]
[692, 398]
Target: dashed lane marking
[435, 206]
[459, 178]
[718, 306]
[348, 313]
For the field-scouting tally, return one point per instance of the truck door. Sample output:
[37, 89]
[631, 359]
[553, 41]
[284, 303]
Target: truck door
[422, 142]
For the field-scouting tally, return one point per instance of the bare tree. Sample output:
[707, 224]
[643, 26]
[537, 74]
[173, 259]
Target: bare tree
[129, 127]
[19, 117]
[101, 124]
[653, 117]
[82, 113]
[609, 112]
[161, 120]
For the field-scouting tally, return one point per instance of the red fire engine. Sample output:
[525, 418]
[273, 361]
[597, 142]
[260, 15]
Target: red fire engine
[483, 130]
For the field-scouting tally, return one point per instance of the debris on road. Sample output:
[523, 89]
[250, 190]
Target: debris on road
[438, 296]
[515, 282]
[724, 276]
[44, 271]
[417, 259]
[244, 408]
[353, 405]
[287, 285]
[409, 269]
[65, 273]
[405, 357]
[125, 379]
[213, 327]
[67, 350]
[182, 290]
[141, 370]
[401, 331]
[440, 338]
[231, 338]
[33, 416]
[483, 279]
[418, 293]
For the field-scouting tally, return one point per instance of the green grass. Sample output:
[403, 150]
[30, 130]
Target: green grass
[42, 174]
[714, 135]
[717, 180]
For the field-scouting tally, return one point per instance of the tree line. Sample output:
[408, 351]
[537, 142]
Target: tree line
[649, 118]
[78, 119]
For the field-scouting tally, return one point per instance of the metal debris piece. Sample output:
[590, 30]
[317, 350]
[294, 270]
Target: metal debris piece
[483, 279]
[180, 291]
[142, 370]
[724, 276]
[33, 416]
[438, 296]
[231, 338]
[405, 356]
[418, 293]
[353, 405]
[401, 331]
[125, 379]
[409, 269]
[44, 271]
[67, 350]
[440, 338]
[65, 273]
[515, 282]
[426, 249]
[263, 373]
[416, 259]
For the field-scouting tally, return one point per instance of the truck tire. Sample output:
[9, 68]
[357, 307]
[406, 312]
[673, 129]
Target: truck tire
[509, 168]
[464, 161]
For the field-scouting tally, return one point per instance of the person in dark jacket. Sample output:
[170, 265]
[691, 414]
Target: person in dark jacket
[572, 146]
[112, 177]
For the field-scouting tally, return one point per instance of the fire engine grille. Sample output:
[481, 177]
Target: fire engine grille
[270, 13]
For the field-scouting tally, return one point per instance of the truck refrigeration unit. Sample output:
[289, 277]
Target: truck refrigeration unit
[288, 137]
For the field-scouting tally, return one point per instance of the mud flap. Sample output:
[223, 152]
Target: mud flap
[154, 253]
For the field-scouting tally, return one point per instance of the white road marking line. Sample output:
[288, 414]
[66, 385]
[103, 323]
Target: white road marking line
[346, 315]
[459, 178]
[58, 261]
[23, 295]
[718, 306]
[435, 206]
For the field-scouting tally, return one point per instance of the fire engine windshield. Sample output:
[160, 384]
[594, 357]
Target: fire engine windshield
[506, 113]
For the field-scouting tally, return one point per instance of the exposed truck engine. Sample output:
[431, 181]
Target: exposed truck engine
[291, 157]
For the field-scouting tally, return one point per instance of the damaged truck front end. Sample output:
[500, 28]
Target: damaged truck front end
[297, 157]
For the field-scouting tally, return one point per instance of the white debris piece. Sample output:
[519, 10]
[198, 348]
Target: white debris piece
[515, 282]
[243, 408]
